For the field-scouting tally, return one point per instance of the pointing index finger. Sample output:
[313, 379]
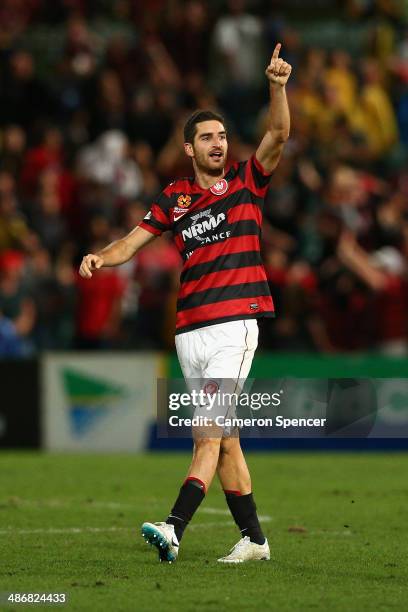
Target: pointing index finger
[275, 53]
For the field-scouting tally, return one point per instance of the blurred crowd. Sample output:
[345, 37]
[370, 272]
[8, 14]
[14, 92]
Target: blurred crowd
[91, 131]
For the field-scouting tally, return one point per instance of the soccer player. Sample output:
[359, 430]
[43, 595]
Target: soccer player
[216, 221]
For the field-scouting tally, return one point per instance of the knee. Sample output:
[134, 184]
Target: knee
[207, 445]
[229, 446]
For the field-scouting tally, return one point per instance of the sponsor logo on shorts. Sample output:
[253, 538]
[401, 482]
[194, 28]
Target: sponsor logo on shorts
[254, 306]
[219, 188]
[211, 387]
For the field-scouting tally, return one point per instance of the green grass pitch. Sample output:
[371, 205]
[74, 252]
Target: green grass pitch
[336, 524]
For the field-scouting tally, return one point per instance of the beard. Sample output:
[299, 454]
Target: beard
[204, 165]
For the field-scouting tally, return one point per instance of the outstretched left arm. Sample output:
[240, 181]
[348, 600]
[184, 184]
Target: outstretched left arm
[270, 148]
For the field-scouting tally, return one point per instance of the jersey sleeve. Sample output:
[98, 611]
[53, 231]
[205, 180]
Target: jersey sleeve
[157, 219]
[256, 177]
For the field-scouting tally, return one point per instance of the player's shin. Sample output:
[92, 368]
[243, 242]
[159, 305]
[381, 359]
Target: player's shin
[243, 510]
[190, 497]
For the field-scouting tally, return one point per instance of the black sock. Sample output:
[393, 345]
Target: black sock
[190, 497]
[243, 509]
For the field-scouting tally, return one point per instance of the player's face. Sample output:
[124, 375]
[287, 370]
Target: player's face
[209, 149]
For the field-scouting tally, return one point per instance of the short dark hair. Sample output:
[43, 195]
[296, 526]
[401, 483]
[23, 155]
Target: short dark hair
[198, 116]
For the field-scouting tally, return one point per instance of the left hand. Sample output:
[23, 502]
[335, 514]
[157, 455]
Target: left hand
[278, 70]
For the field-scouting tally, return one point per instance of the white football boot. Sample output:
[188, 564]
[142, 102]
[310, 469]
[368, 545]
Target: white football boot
[163, 537]
[245, 550]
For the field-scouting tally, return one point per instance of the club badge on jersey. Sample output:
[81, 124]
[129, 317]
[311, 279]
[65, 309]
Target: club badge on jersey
[219, 188]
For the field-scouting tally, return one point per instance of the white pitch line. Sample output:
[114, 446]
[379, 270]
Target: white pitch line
[70, 530]
[220, 511]
[262, 517]
[205, 525]
[59, 503]
[77, 530]
[109, 505]
[52, 530]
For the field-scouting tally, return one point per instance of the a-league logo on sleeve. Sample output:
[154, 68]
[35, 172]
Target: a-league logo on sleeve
[219, 188]
[184, 201]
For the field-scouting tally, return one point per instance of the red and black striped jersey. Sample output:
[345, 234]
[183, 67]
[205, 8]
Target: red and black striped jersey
[217, 232]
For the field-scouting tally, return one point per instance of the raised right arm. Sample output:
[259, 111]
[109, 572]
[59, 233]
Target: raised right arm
[117, 252]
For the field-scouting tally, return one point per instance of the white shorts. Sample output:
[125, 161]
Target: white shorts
[218, 357]
[224, 350]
